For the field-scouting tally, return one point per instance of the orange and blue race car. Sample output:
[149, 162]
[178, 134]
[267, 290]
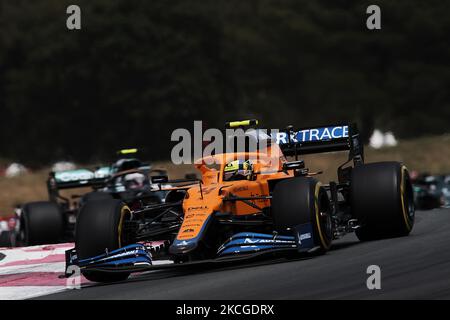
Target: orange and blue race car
[255, 202]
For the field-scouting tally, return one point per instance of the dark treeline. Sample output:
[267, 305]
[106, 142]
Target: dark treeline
[139, 69]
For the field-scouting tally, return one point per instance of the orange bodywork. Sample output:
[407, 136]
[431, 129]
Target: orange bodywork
[202, 201]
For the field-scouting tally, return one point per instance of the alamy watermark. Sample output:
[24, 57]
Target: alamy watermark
[74, 281]
[373, 22]
[205, 145]
[73, 21]
[374, 280]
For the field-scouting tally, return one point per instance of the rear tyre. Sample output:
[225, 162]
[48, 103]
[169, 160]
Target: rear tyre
[41, 223]
[99, 228]
[303, 200]
[7, 239]
[382, 200]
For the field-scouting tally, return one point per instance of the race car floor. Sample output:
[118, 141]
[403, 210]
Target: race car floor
[412, 267]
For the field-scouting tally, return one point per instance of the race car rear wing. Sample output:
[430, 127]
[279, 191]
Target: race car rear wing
[321, 139]
[72, 179]
[78, 178]
[94, 183]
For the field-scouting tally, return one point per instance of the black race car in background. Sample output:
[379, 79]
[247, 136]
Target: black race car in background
[53, 221]
[431, 191]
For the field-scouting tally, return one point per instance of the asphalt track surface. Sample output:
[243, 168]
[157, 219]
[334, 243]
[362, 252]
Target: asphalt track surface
[413, 267]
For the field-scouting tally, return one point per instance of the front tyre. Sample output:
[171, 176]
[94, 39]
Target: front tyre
[382, 200]
[299, 201]
[99, 229]
[95, 196]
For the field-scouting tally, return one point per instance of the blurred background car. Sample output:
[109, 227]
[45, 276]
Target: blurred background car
[431, 191]
[52, 221]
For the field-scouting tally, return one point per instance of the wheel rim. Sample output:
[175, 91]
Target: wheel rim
[323, 218]
[125, 214]
[407, 199]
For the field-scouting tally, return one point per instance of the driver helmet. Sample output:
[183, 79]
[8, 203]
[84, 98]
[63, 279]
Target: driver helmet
[134, 181]
[238, 170]
[126, 164]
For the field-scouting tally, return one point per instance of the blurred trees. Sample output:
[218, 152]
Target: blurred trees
[139, 69]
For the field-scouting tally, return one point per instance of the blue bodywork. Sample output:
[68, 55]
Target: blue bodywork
[250, 242]
[136, 257]
[128, 256]
[253, 242]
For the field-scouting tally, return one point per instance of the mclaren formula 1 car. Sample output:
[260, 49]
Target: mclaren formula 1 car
[53, 221]
[249, 203]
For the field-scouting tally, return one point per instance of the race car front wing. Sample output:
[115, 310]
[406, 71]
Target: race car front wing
[241, 246]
